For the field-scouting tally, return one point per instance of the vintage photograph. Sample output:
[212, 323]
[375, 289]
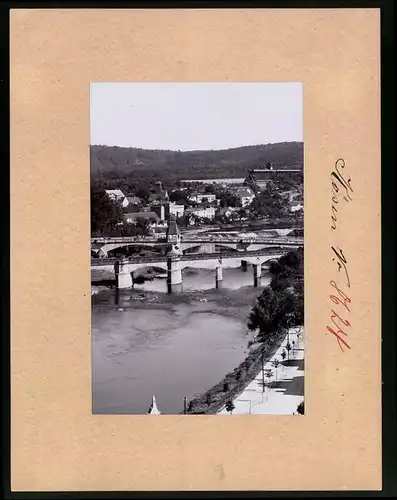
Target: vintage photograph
[197, 248]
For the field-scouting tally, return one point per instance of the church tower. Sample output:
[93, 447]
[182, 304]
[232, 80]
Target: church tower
[174, 237]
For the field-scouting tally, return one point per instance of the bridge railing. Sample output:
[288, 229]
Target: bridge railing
[252, 241]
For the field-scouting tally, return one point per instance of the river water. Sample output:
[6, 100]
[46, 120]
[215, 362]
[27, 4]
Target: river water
[146, 342]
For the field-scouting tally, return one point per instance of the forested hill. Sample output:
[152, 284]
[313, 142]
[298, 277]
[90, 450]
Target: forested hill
[114, 162]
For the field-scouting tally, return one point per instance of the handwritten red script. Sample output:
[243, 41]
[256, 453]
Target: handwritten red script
[342, 300]
[341, 190]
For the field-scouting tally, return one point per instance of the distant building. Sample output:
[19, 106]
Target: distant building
[202, 197]
[296, 205]
[246, 195]
[134, 200]
[205, 212]
[226, 211]
[166, 209]
[159, 194]
[262, 177]
[160, 208]
[117, 195]
[176, 210]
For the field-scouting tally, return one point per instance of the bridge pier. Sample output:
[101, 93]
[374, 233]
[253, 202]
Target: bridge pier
[102, 254]
[218, 277]
[123, 275]
[174, 275]
[257, 274]
[244, 266]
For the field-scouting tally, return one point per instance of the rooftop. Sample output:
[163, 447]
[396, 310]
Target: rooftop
[141, 215]
[244, 192]
[134, 200]
[275, 170]
[161, 196]
[115, 192]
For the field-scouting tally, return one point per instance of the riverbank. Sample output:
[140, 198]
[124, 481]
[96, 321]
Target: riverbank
[234, 383]
[224, 301]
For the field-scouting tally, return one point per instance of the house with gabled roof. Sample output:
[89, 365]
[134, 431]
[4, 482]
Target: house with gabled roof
[118, 196]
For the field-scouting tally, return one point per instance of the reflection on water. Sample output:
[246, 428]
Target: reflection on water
[173, 349]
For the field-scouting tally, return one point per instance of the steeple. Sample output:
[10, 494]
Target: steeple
[173, 232]
[153, 410]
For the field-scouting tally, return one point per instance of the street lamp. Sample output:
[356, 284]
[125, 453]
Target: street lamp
[269, 374]
[247, 401]
[288, 323]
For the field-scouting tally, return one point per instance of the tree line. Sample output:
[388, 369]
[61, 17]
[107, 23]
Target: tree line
[107, 216]
[110, 162]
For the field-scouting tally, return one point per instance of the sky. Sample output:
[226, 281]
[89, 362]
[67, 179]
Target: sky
[195, 116]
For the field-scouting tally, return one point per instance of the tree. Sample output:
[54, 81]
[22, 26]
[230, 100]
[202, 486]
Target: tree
[106, 214]
[287, 275]
[179, 197]
[265, 313]
[269, 203]
[301, 408]
[269, 312]
[121, 162]
[210, 188]
[230, 406]
[229, 200]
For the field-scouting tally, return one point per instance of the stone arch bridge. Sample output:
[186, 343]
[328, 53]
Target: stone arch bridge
[124, 268]
[101, 247]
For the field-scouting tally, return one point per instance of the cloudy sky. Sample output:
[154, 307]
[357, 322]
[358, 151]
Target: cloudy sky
[190, 116]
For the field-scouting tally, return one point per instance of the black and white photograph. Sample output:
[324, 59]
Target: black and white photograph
[197, 248]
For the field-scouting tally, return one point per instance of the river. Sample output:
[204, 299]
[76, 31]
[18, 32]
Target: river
[146, 342]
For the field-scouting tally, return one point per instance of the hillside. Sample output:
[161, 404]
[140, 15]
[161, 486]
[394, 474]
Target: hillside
[109, 162]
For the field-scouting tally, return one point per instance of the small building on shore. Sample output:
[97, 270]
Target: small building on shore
[153, 410]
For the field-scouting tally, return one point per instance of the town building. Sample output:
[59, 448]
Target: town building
[176, 210]
[226, 211]
[160, 208]
[296, 205]
[134, 200]
[159, 194]
[117, 195]
[166, 209]
[203, 212]
[246, 195]
[202, 197]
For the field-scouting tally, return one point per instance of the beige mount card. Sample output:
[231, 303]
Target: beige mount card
[56, 441]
